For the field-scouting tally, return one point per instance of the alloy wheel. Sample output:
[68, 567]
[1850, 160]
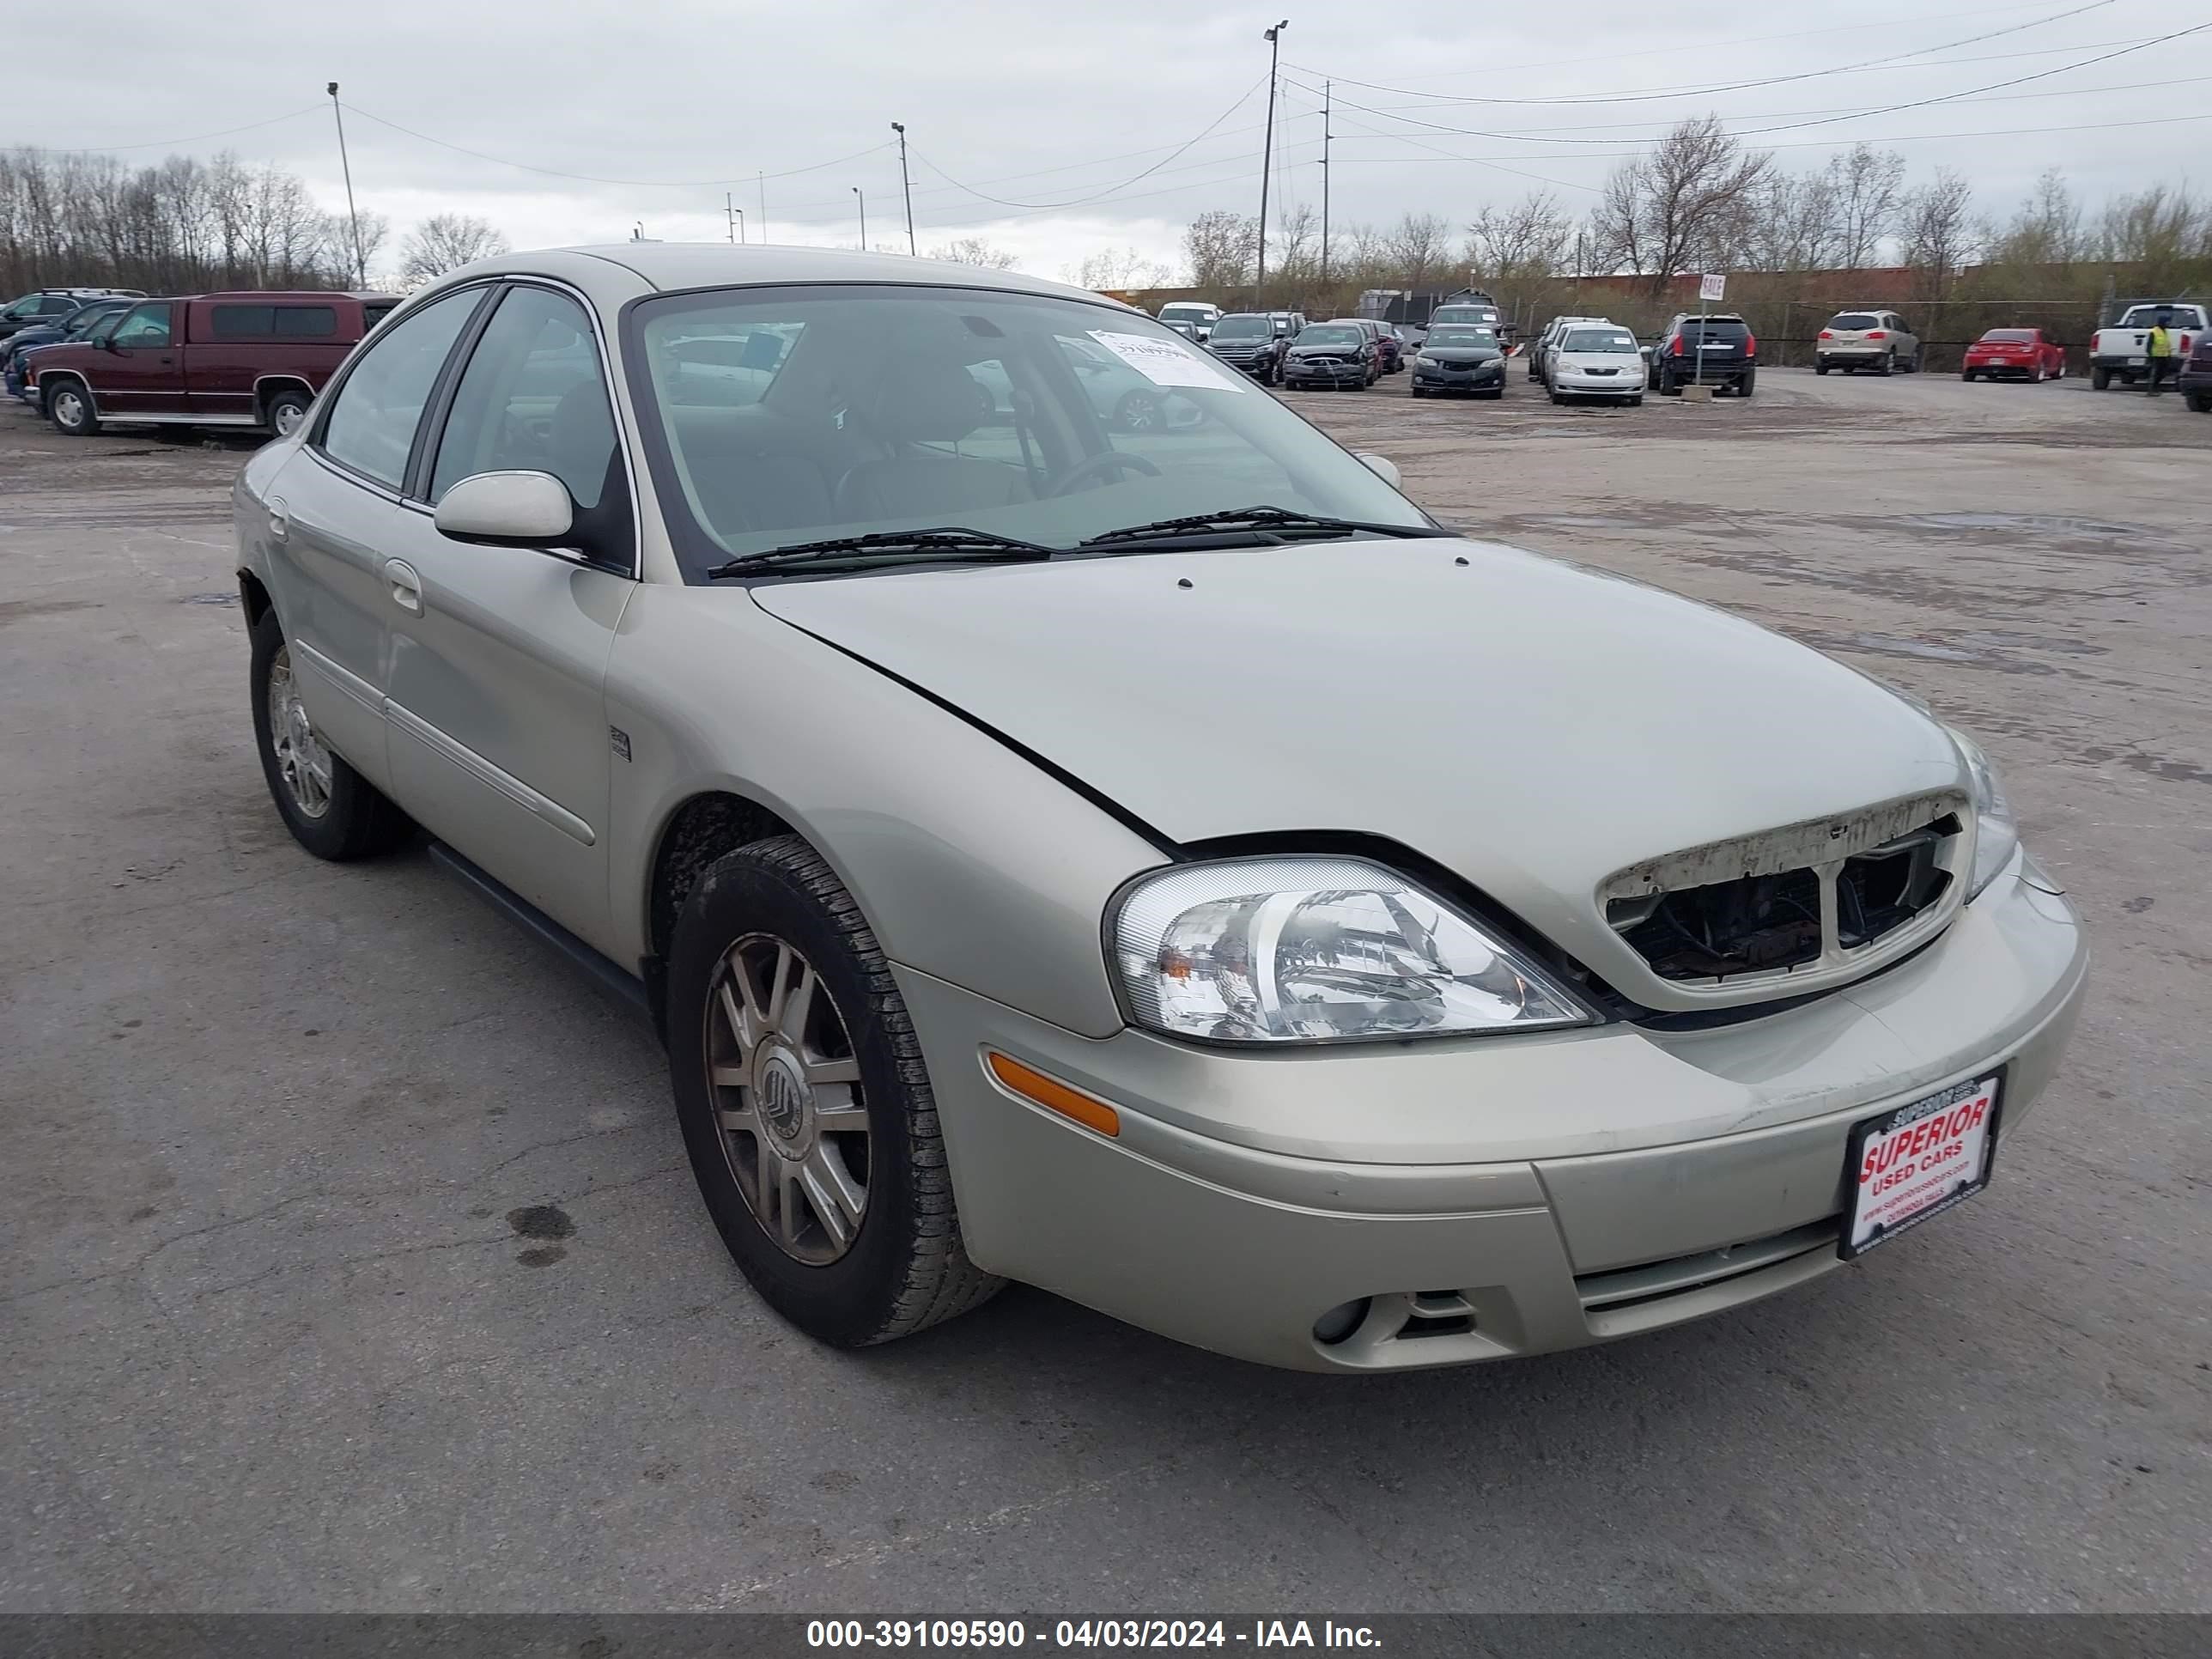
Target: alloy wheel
[786, 1093]
[302, 761]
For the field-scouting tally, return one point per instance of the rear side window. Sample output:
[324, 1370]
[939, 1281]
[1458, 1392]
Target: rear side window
[273, 322]
[370, 426]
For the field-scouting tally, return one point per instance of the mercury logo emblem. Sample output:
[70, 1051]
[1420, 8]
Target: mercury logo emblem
[783, 1098]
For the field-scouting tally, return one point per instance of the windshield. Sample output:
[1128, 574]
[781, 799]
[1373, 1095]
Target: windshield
[1243, 328]
[1185, 314]
[853, 410]
[1461, 335]
[1330, 334]
[1599, 339]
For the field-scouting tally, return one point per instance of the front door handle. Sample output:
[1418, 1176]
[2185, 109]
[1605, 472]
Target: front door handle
[406, 586]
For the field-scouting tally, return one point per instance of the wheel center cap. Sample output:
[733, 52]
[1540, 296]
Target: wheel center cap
[785, 1100]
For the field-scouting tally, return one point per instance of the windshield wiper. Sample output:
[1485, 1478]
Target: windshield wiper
[980, 544]
[1260, 522]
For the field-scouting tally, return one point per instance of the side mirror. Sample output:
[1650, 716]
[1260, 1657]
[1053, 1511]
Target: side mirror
[1381, 466]
[507, 509]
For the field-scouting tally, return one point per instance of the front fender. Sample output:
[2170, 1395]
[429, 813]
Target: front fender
[971, 862]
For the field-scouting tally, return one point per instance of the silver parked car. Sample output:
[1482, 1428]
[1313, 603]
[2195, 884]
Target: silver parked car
[1167, 868]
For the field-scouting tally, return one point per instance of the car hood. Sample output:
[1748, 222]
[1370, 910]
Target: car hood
[1462, 354]
[1532, 725]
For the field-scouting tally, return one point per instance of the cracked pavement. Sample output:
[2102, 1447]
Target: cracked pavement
[353, 1263]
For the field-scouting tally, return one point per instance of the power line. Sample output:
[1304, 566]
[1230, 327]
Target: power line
[1795, 143]
[1647, 95]
[1079, 200]
[163, 143]
[594, 179]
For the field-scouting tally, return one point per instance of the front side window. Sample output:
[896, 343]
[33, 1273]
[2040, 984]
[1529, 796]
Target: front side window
[533, 399]
[371, 425]
[895, 409]
[144, 327]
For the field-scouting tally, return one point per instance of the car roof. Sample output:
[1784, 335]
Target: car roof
[675, 266]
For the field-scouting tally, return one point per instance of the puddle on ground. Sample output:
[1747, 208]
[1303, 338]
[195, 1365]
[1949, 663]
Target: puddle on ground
[2034, 523]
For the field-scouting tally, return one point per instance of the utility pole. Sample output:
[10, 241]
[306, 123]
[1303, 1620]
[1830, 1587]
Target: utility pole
[1328, 97]
[863, 217]
[906, 186]
[360, 260]
[1267, 153]
[735, 215]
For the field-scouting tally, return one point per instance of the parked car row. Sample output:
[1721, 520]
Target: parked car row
[1282, 348]
[250, 359]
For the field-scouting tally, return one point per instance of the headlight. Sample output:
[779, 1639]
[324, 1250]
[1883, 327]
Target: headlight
[1318, 950]
[1424, 360]
[1997, 830]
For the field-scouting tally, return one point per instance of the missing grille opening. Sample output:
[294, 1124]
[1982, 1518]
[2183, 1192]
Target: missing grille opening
[1747, 925]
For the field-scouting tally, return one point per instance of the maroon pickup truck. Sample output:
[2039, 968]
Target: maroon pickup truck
[242, 359]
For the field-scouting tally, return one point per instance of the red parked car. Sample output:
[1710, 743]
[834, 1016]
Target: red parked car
[239, 359]
[2020, 352]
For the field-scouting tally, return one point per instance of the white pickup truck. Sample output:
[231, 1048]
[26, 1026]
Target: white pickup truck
[2118, 351]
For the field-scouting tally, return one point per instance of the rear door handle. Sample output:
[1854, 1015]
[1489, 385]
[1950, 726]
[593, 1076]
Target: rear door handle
[406, 586]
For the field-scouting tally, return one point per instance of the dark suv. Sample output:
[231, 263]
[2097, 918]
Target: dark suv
[2196, 381]
[1253, 341]
[1719, 351]
[52, 305]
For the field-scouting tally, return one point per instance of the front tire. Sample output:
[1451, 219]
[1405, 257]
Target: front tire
[805, 1106]
[68, 406]
[330, 808]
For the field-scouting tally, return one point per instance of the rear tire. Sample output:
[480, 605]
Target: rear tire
[758, 925]
[286, 410]
[2100, 379]
[1821, 367]
[1888, 366]
[2200, 403]
[330, 808]
[68, 406]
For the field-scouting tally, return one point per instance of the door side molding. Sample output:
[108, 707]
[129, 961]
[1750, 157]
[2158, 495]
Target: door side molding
[540, 806]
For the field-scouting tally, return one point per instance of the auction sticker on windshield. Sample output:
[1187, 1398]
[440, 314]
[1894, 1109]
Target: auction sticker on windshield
[1917, 1161]
[1167, 363]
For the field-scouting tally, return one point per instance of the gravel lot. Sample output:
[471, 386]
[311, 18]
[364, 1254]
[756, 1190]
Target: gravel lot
[354, 1264]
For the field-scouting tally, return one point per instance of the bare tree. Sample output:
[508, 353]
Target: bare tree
[1419, 247]
[1789, 224]
[1866, 184]
[1938, 236]
[1532, 237]
[1682, 207]
[974, 250]
[1221, 247]
[2159, 226]
[1117, 267]
[2045, 230]
[444, 242]
[1294, 250]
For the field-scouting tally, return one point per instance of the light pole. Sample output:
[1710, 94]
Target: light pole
[1267, 154]
[360, 260]
[1327, 103]
[906, 186]
[735, 215]
[861, 195]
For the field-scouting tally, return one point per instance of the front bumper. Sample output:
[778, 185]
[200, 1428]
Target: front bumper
[1445, 377]
[1587, 385]
[1485, 1198]
[1299, 374]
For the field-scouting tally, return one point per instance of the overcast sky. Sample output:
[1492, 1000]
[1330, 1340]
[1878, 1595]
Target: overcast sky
[1044, 105]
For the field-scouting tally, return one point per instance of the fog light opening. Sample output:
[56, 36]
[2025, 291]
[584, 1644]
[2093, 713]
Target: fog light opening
[1340, 1321]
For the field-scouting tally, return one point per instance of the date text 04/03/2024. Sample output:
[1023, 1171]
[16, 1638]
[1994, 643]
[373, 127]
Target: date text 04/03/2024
[1086, 1634]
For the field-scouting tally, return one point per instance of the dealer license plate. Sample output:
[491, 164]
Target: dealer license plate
[1917, 1161]
[2135, 363]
